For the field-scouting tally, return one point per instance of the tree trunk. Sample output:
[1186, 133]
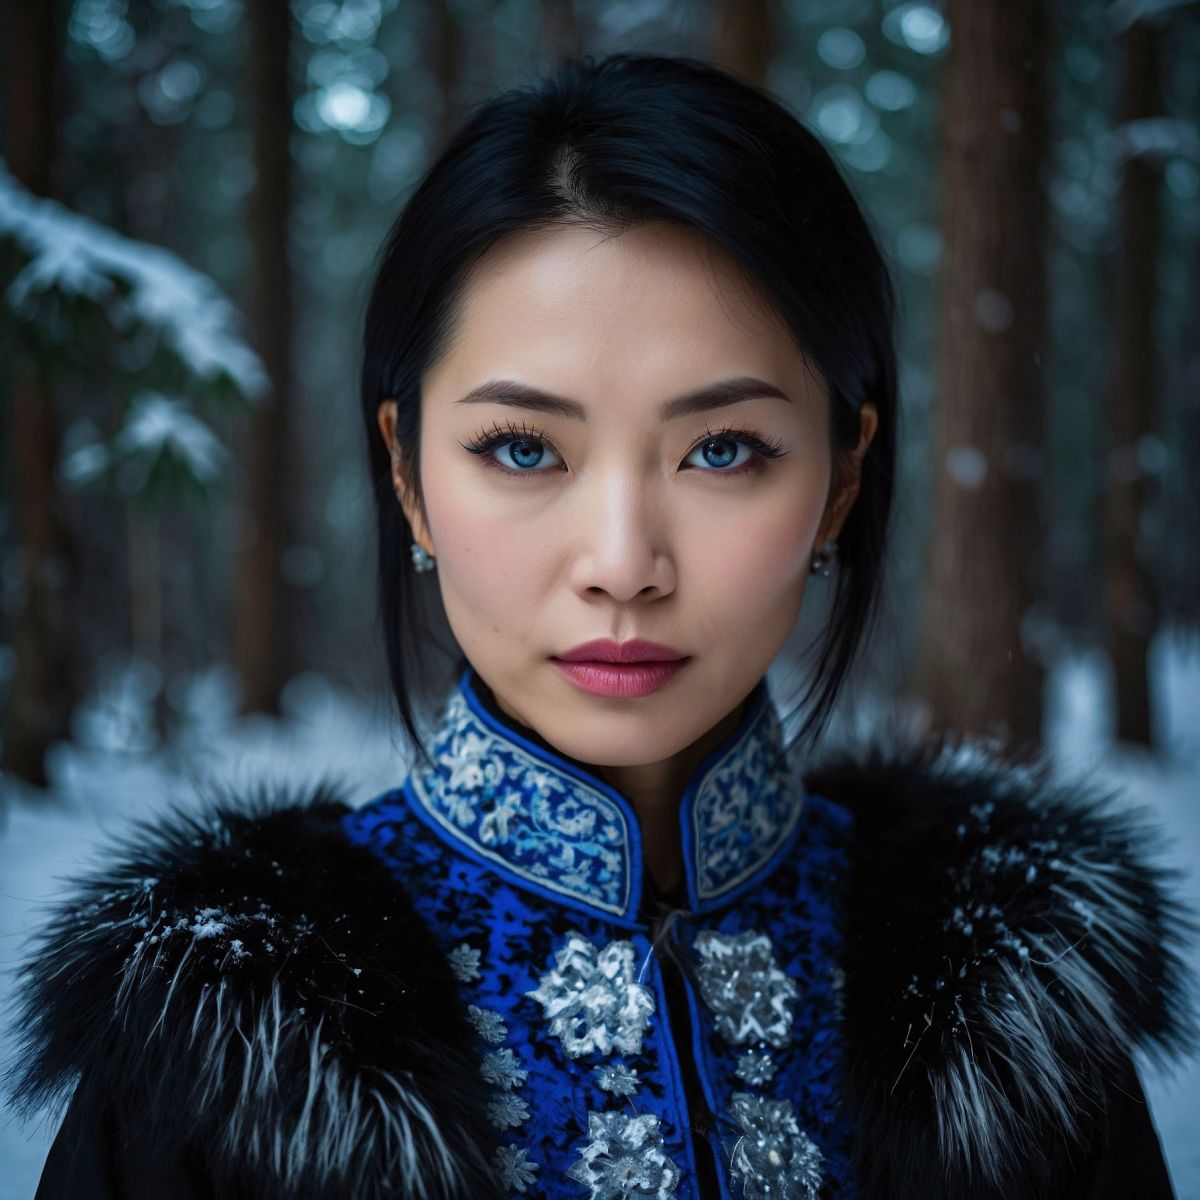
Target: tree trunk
[978, 667]
[560, 29]
[263, 637]
[1130, 599]
[744, 38]
[46, 679]
[447, 49]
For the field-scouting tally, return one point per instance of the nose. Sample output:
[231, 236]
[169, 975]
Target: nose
[622, 538]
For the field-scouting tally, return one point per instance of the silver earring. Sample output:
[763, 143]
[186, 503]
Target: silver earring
[422, 559]
[822, 559]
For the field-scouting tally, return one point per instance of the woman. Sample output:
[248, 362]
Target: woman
[629, 383]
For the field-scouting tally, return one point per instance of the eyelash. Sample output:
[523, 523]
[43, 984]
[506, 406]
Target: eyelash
[497, 436]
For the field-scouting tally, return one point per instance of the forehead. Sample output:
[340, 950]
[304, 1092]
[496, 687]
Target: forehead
[638, 312]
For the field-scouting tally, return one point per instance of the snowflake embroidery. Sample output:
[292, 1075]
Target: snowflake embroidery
[740, 981]
[514, 1168]
[774, 1159]
[620, 1081]
[464, 962]
[624, 1157]
[756, 1068]
[487, 1023]
[591, 999]
[502, 1068]
[507, 1111]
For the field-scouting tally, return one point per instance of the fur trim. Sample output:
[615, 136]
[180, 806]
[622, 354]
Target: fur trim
[261, 986]
[1010, 941]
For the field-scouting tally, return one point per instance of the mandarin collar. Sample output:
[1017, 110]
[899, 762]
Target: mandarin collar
[561, 830]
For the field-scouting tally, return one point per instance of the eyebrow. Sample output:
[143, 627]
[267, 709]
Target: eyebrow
[713, 395]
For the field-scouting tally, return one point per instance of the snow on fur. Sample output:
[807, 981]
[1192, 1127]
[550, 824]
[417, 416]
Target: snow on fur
[249, 979]
[1011, 941]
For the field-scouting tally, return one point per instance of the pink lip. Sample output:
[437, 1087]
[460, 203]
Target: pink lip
[605, 650]
[623, 680]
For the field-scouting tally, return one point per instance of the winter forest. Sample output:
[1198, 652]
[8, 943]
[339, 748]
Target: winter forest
[192, 193]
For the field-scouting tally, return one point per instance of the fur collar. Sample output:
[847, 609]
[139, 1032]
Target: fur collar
[1009, 941]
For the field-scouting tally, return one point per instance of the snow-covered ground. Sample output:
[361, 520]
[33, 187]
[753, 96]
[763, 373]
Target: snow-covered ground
[110, 775]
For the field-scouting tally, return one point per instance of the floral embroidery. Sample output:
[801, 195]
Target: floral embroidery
[746, 806]
[514, 1168]
[464, 962]
[503, 1068]
[565, 831]
[740, 981]
[624, 1157]
[756, 1068]
[774, 1159]
[591, 999]
[487, 1023]
[507, 1111]
[545, 825]
[621, 1081]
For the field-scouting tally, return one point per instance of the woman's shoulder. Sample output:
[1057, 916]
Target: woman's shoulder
[224, 975]
[1012, 936]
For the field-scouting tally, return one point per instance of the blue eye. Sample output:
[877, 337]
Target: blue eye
[721, 453]
[525, 453]
[526, 449]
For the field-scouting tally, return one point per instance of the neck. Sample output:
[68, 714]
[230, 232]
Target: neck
[655, 790]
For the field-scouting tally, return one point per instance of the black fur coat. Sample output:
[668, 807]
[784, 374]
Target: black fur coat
[975, 1069]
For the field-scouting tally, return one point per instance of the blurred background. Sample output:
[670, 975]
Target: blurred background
[191, 196]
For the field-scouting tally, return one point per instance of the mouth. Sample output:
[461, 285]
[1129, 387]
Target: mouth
[637, 651]
[621, 680]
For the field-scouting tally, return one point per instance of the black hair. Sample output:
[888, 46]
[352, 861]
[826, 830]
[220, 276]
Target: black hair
[635, 138]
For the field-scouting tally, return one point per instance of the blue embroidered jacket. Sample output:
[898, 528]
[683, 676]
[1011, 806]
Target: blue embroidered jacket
[631, 1043]
[918, 973]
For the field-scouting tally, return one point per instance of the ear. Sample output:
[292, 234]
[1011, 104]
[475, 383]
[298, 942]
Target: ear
[401, 477]
[847, 478]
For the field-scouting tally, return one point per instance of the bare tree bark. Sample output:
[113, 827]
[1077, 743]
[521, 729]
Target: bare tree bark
[264, 637]
[45, 682]
[560, 29]
[1131, 604]
[743, 37]
[976, 668]
[447, 49]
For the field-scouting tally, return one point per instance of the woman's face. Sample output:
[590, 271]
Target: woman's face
[613, 520]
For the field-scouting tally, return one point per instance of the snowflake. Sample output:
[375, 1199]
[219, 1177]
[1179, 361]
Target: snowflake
[515, 1169]
[621, 1081]
[756, 1068]
[743, 985]
[591, 999]
[503, 1068]
[624, 1157]
[774, 1159]
[464, 962]
[507, 1111]
[487, 1023]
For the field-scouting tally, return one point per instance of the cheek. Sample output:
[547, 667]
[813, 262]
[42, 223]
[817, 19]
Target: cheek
[757, 560]
[488, 563]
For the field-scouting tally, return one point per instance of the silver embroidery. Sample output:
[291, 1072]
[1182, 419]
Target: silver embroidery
[591, 999]
[464, 962]
[507, 1111]
[487, 1023]
[624, 1156]
[619, 1080]
[514, 1168]
[774, 1159]
[503, 1068]
[756, 1068]
[751, 998]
